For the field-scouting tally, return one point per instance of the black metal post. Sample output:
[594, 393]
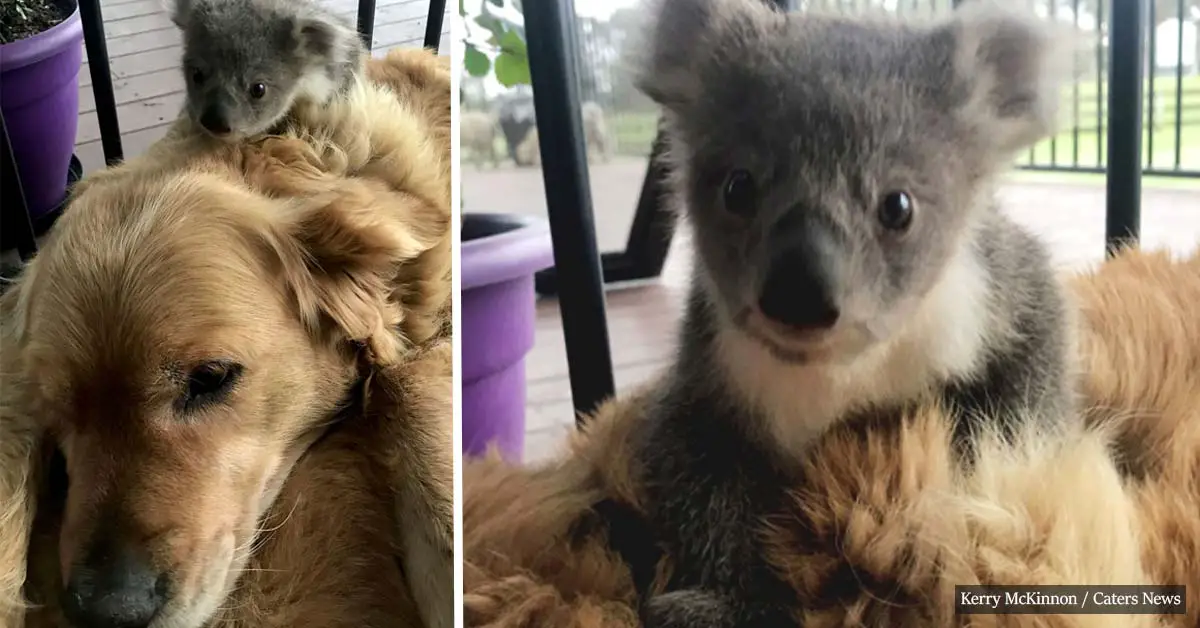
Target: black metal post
[106, 102]
[649, 236]
[1101, 71]
[1075, 94]
[17, 226]
[366, 21]
[1178, 83]
[550, 28]
[1150, 71]
[433, 24]
[1126, 36]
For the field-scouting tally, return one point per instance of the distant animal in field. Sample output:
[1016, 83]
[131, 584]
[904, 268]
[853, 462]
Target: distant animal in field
[595, 133]
[516, 116]
[527, 152]
[477, 135]
[595, 130]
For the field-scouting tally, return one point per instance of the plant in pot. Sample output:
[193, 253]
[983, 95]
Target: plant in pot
[41, 52]
[500, 255]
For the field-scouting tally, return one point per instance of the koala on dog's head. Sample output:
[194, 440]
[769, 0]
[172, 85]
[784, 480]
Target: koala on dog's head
[247, 62]
[831, 166]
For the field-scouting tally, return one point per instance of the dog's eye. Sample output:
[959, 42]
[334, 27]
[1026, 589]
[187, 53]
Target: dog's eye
[197, 76]
[209, 383]
[258, 90]
[740, 193]
[896, 211]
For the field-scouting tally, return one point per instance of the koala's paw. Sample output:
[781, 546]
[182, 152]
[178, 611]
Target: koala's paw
[687, 608]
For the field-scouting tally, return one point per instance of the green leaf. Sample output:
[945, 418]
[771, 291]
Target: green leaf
[511, 42]
[512, 69]
[492, 23]
[476, 63]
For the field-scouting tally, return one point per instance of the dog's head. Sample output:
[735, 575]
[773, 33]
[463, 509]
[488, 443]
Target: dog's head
[184, 340]
[833, 166]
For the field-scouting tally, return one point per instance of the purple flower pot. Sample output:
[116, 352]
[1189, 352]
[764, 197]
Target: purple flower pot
[39, 95]
[500, 254]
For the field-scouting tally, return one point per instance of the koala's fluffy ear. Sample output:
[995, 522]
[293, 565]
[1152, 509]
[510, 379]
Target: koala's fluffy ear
[1015, 66]
[343, 251]
[179, 10]
[683, 35]
[319, 37]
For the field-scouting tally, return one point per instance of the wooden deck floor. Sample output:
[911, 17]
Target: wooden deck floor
[642, 320]
[144, 55]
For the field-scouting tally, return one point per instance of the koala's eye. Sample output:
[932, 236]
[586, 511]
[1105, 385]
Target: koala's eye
[197, 76]
[740, 193]
[258, 90]
[896, 211]
[209, 383]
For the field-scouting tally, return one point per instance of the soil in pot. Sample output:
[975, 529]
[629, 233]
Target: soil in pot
[25, 18]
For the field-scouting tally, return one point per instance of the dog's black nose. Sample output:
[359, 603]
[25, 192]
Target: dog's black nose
[800, 287]
[117, 589]
[214, 122]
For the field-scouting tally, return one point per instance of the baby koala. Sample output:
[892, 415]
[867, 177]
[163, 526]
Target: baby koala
[838, 174]
[248, 62]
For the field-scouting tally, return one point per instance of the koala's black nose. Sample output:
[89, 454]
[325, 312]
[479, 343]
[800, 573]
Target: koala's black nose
[800, 286]
[214, 122]
[114, 589]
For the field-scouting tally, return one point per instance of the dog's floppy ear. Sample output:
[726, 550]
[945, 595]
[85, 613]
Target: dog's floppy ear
[1014, 66]
[343, 251]
[20, 447]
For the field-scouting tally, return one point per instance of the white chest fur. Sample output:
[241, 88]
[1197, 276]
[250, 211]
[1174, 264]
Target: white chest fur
[947, 335]
[316, 87]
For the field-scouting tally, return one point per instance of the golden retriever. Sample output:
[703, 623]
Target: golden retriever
[885, 525]
[198, 319]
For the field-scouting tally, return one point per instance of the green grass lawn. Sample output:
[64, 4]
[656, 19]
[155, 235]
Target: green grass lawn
[1087, 178]
[1061, 149]
[635, 131]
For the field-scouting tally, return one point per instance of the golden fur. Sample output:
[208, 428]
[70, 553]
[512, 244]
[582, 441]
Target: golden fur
[297, 257]
[885, 525]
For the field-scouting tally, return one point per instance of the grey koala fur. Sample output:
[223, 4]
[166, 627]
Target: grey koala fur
[828, 115]
[297, 49]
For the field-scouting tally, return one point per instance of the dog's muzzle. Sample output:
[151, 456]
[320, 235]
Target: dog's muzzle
[115, 587]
